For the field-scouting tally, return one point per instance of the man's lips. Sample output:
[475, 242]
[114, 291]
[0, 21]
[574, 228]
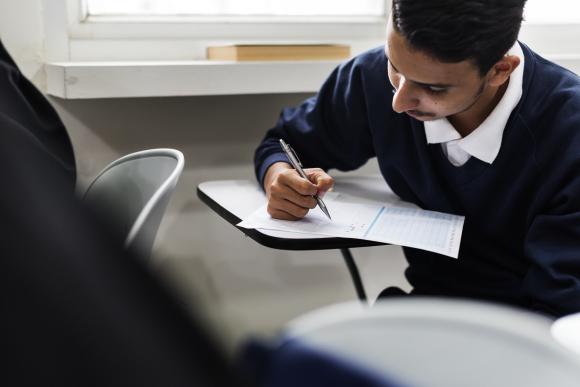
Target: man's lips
[418, 114]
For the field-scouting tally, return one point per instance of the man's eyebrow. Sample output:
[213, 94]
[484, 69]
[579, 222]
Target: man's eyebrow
[422, 84]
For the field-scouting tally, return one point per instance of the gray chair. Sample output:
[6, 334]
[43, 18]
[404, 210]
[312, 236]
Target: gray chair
[430, 342]
[133, 192]
[566, 331]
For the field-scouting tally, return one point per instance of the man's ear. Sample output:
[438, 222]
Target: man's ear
[502, 69]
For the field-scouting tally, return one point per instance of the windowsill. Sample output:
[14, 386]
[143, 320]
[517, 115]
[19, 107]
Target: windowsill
[83, 80]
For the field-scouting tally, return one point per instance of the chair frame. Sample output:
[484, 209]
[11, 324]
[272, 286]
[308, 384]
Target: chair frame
[162, 190]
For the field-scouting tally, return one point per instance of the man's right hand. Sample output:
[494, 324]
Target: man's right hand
[290, 196]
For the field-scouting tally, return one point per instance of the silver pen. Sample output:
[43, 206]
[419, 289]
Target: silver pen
[295, 161]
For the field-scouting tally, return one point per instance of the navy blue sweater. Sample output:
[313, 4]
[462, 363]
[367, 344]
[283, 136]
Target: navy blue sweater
[521, 239]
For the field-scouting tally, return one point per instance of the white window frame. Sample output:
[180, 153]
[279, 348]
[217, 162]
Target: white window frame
[185, 37]
[551, 39]
[73, 36]
[164, 56]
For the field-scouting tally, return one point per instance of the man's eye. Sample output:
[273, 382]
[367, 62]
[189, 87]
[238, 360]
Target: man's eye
[436, 90]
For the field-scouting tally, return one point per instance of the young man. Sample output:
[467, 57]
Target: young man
[463, 119]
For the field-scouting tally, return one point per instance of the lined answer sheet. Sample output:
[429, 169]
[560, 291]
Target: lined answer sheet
[397, 223]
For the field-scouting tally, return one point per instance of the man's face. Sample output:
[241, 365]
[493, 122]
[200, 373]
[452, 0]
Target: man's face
[427, 89]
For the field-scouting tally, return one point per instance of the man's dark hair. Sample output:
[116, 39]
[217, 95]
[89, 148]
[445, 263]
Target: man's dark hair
[456, 30]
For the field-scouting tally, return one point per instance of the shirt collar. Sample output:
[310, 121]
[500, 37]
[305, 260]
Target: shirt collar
[484, 142]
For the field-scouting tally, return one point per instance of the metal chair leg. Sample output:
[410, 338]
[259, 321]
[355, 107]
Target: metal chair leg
[354, 273]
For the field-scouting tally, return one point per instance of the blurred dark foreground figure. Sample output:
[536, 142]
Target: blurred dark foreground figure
[30, 114]
[77, 309]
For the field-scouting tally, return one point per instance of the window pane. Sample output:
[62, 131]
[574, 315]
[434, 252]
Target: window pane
[238, 7]
[552, 11]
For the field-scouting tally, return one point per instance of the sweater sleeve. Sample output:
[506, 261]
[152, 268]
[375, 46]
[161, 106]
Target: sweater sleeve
[553, 244]
[330, 130]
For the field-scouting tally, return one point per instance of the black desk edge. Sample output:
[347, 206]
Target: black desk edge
[331, 243]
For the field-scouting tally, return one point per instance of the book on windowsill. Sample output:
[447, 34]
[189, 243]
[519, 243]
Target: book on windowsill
[273, 52]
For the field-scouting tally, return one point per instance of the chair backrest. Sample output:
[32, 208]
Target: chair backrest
[434, 342]
[133, 192]
[566, 331]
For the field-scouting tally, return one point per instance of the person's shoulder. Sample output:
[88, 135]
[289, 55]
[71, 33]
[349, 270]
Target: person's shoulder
[550, 108]
[369, 60]
[371, 56]
[372, 59]
[543, 72]
[549, 88]
[368, 66]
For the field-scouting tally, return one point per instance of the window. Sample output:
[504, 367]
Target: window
[140, 48]
[552, 11]
[150, 36]
[237, 7]
[552, 28]
[181, 29]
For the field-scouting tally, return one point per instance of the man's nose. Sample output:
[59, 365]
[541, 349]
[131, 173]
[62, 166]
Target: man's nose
[405, 97]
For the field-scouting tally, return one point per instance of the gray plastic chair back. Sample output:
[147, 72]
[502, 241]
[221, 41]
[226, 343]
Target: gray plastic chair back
[430, 342]
[566, 331]
[133, 192]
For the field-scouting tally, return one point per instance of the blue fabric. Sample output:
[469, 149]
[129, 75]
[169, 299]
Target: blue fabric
[521, 239]
[294, 363]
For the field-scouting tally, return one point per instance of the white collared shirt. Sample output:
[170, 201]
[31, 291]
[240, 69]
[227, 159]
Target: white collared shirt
[485, 141]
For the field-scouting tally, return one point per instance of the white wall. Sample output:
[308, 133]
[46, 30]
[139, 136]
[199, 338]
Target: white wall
[241, 285]
[21, 32]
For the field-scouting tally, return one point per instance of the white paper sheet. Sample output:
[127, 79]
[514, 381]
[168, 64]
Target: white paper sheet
[398, 223]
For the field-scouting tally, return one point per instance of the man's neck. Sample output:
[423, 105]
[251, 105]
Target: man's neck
[467, 121]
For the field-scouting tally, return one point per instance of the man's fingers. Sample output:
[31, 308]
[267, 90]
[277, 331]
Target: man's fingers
[294, 181]
[323, 181]
[283, 192]
[284, 209]
[290, 196]
[279, 214]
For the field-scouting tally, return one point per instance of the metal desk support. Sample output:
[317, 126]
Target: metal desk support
[354, 273]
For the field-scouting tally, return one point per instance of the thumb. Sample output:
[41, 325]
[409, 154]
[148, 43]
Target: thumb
[321, 179]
